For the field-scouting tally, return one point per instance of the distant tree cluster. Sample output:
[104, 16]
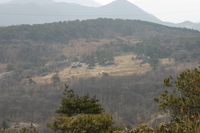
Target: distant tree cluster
[187, 50]
[103, 57]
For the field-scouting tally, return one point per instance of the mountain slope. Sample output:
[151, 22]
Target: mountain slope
[126, 10]
[92, 29]
[29, 13]
[89, 3]
[190, 25]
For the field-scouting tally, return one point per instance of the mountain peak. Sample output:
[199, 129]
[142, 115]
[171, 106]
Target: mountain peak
[127, 10]
[120, 0]
[123, 3]
[89, 3]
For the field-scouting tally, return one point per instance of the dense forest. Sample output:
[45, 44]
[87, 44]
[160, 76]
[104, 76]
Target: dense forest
[29, 51]
[63, 32]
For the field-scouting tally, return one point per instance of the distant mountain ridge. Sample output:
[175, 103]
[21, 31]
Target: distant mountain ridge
[19, 12]
[190, 25]
[89, 3]
[28, 13]
[40, 2]
[126, 10]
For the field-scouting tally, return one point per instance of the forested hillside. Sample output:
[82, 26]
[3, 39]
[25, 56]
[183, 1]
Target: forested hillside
[63, 32]
[123, 62]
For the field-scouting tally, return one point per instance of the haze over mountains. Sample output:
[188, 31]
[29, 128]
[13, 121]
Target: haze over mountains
[40, 2]
[19, 12]
[89, 3]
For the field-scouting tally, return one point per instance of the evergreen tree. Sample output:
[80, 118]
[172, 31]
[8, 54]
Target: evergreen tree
[72, 104]
[31, 81]
[4, 124]
[55, 78]
[80, 114]
[184, 101]
[154, 61]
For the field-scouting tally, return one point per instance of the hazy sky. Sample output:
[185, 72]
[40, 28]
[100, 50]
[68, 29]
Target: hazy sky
[167, 10]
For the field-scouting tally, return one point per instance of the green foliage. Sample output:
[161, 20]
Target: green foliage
[118, 47]
[75, 59]
[154, 61]
[80, 114]
[142, 128]
[82, 123]
[55, 78]
[181, 55]
[4, 124]
[72, 104]
[36, 103]
[102, 57]
[61, 58]
[33, 54]
[31, 129]
[2, 130]
[151, 47]
[105, 74]
[184, 102]
[31, 81]
[10, 67]
[93, 30]
[90, 60]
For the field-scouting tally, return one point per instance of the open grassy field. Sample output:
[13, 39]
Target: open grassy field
[124, 65]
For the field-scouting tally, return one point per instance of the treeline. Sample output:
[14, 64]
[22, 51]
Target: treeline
[148, 47]
[30, 55]
[187, 49]
[93, 30]
[102, 57]
[180, 49]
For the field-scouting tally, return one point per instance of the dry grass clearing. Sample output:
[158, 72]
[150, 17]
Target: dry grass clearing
[124, 65]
